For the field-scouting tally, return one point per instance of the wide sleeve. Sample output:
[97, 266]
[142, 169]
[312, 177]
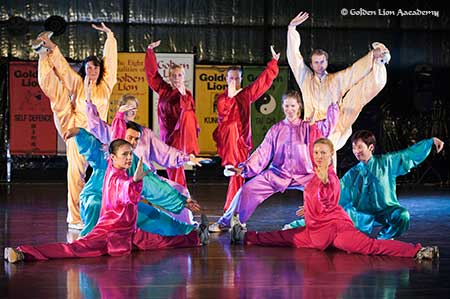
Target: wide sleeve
[261, 157]
[327, 125]
[295, 58]
[119, 126]
[131, 190]
[70, 79]
[403, 161]
[346, 183]
[258, 87]
[345, 79]
[110, 61]
[98, 127]
[91, 148]
[154, 79]
[162, 153]
[160, 193]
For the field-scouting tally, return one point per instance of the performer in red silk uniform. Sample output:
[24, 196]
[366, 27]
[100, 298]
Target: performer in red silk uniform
[233, 135]
[176, 110]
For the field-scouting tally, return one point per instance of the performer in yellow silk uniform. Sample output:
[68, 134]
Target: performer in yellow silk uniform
[352, 87]
[68, 91]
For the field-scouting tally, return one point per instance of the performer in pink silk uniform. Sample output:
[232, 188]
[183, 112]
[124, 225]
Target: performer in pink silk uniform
[233, 133]
[149, 146]
[115, 233]
[282, 160]
[327, 224]
[176, 110]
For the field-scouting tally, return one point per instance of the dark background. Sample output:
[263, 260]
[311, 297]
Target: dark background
[414, 104]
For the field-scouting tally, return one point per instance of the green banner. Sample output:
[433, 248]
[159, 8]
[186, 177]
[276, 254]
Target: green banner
[267, 110]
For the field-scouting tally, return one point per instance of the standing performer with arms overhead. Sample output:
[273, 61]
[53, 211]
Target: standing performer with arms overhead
[352, 87]
[176, 110]
[67, 93]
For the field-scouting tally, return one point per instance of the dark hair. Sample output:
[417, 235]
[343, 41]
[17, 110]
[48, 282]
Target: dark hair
[234, 68]
[134, 126]
[366, 136]
[294, 95]
[318, 52]
[97, 62]
[115, 144]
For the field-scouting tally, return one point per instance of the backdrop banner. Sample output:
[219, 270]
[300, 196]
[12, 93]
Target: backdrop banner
[210, 81]
[32, 130]
[267, 110]
[131, 80]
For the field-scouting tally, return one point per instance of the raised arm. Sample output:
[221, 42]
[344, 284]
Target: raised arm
[258, 87]
[294, 57]
[154, 79]
[401, 162]
[109, 57]
[98, 127]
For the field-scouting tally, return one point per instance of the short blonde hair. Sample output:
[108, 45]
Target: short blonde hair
[175, 66]
[325, 141]
[128, 97]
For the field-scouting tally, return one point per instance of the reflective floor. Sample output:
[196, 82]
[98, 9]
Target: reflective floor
[35, 214]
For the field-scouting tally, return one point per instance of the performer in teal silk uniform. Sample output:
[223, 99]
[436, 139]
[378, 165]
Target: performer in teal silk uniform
[150, 219]
[368, 189]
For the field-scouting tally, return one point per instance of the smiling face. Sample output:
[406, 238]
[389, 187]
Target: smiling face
[92, 71]
[322, 154]
[319, 64]
[361, 151]
[123, 156]
[291, 109]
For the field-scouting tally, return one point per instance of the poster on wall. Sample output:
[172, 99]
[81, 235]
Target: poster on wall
[210, 81]
[164, 61]
[131, 80]
[267, 110]
[32, 130]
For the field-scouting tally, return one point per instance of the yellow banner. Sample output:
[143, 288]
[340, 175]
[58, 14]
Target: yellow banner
[210, 81]
[131, 80]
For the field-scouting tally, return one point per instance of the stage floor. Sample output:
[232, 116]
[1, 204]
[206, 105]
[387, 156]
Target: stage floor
[35, 214]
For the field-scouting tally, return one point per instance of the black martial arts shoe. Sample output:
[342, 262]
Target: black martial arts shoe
[427, 253]
[238, 230]
[13, 255]
[203, 232]
[38, 44]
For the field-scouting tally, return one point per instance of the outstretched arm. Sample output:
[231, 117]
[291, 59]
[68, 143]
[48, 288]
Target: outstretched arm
[401, 162]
